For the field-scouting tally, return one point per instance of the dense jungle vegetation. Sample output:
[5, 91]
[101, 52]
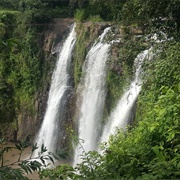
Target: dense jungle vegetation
[150, 149]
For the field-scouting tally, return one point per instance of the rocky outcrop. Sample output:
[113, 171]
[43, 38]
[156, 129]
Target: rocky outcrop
[53, 36]
[50, 40]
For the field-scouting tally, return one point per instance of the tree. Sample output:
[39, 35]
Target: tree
[149, 14]
[110, 10]
[9, 4]
[29, 165]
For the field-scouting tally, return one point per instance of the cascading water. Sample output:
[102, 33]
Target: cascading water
[93, 96]
[120, 116]
[50, 129]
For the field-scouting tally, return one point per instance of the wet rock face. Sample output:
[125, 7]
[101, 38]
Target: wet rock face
[53, 36]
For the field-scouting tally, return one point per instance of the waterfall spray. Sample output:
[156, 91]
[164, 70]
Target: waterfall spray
[50, 128]
[120, 116]
[93, 96]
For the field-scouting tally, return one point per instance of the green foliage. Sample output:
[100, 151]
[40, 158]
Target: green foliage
[80, 52]
[116, 84]
[20, 73]
[9, 4]
[34, 11]
[153, 15]
[108, 10]
[24, 69]
[91, 167]
[20, 64]
[121, 69]
[95, 18]
[150, 149]
[131, 48]
[80, 15]
[87, 14]
[59, 12]
[30, 165]
[8, 20]
[77, 3]
[63, 171]
[2, 29]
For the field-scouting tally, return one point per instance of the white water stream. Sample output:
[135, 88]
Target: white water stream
[59, 85]
[120, 116]
[93, 96]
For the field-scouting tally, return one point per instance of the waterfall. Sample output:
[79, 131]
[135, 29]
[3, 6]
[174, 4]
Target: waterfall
[93, 96]
[120, 116]
[51, 126]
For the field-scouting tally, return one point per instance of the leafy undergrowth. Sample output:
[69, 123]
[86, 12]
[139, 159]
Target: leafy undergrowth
[150, 149]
